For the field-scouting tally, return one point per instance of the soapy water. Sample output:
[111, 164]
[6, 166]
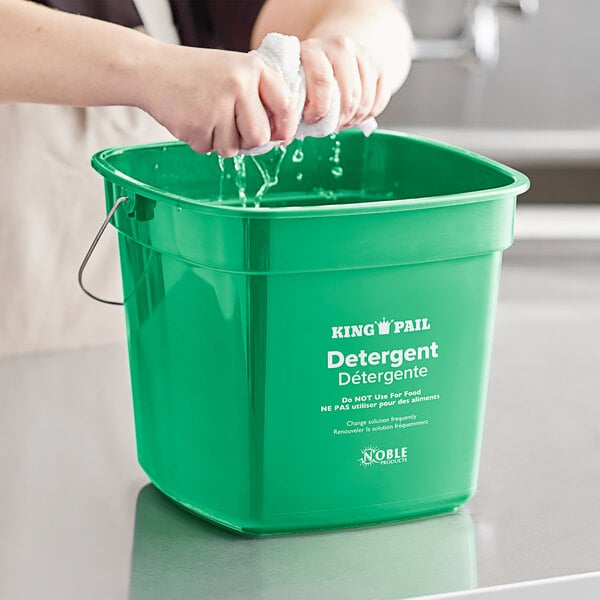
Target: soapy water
[269, 166]
[326, 194]
[221, 161]
[240, 177]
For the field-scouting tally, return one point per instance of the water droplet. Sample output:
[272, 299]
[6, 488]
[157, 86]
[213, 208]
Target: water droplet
[336, 170]
[298, 155]
[179, 209]
[299, 177]
[155, 167]
[326, 194]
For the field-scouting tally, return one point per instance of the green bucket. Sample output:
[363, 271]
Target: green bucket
[321, 360]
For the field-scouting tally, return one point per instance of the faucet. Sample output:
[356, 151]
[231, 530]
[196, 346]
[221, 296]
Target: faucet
[477, 40]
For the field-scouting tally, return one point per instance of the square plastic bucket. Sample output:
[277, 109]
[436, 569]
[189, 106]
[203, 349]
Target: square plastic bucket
[321, 360]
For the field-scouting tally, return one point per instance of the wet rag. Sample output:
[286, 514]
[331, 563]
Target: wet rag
[282, 53]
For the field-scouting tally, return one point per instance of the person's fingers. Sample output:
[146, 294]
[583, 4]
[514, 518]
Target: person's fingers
[199, 139]
[342, 54]
[382, 98]
[320, 82]
[226, 139]
[368, 77]
[252, 123]
[278, 101]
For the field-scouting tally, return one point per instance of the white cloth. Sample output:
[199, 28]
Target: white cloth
[282, 53]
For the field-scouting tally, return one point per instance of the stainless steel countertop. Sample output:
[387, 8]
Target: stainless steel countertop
[79, 520]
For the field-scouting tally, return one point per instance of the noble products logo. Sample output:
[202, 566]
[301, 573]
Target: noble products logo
[372, 455]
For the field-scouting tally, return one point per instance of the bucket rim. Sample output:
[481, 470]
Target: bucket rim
[520, 183]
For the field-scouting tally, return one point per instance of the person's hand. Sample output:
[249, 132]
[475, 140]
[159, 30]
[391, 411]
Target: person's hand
[218, 100]
[364, 92]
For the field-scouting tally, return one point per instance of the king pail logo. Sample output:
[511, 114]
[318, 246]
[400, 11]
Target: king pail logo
[383, 326]
[372, 455]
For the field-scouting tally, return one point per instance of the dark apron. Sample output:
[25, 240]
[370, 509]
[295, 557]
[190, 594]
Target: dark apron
[223, 24]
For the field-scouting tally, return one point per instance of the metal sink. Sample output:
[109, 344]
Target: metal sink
[535, 106]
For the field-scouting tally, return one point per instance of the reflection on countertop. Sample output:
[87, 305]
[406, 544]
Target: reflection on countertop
[68, 511]
[178, 555]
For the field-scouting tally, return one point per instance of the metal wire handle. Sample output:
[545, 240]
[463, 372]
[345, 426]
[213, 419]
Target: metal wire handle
[106, 221]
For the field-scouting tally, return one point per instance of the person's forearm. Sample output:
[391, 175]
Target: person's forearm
[48, 56]
[211, 99]
[376, 24]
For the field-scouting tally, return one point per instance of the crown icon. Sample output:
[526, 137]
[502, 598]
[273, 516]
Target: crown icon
[383, 326]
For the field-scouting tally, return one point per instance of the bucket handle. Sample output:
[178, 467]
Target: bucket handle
[87, 257]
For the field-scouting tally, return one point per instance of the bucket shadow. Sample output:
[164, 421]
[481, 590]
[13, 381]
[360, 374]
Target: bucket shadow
[178, 555]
